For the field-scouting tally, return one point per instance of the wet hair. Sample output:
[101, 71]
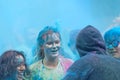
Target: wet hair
[112, 37]
[41, 39]
[8, 64]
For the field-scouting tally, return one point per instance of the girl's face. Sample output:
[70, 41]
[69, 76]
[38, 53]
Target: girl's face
[52, 45]
[21, 67]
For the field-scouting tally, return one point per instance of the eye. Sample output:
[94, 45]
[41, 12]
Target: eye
[20, 64]
[49, 43]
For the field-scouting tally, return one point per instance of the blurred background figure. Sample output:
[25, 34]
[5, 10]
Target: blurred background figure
[13, 66]
[72, 42]
[50, 64]
[112, 41]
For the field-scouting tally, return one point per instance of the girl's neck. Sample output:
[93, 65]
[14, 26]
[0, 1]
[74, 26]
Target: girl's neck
[50, 63]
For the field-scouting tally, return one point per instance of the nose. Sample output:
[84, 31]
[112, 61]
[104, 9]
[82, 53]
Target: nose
[54, 45]
[22, 67]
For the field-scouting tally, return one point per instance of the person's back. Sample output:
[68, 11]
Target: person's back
[103, 67]
[94, 63]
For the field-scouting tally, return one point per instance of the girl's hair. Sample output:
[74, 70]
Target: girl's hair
[41, 39]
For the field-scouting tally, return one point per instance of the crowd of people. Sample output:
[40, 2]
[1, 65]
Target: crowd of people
[97, 57]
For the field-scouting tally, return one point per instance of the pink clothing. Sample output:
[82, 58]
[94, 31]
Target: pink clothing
[66, 63]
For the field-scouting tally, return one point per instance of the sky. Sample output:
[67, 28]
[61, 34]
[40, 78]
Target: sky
[21, 20]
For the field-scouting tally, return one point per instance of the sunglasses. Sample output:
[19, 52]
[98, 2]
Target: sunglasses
[113, 44]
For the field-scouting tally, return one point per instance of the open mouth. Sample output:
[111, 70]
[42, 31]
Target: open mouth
[21, 71]
[113, 51]
[54, 50]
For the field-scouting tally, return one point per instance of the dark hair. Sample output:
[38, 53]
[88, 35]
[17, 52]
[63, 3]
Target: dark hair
[8, 64]
[40, 40]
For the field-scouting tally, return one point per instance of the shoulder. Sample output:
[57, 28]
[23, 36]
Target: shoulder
[84, 63]
[35, 65]
[34, 69]
[66, 60]
[66, 63]
[79, 69]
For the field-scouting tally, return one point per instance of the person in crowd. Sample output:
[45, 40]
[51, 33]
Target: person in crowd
[94, 63]
[72, 42]
[13, 66]
[50, 64]
[112, 41]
